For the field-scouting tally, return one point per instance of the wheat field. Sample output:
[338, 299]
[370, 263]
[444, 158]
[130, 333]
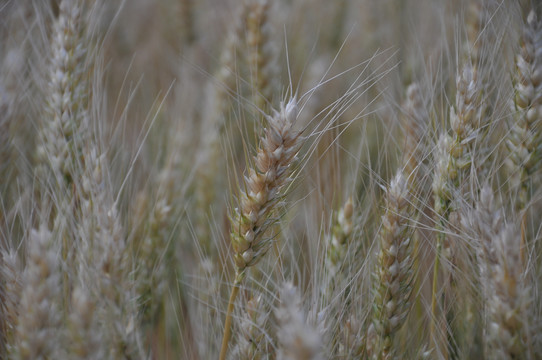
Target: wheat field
[259, 179]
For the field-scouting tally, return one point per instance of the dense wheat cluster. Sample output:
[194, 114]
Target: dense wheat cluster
[259, 179]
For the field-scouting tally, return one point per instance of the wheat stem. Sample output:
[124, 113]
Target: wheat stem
[228, 321]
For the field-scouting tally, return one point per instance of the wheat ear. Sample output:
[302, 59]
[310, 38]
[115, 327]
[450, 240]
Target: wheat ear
[40, 318]
[393, 274]
[252, 342]
[262, 53]
[454, 157]
[10, 291]
[339, 239]
[259, 197]
[416, 122]
[66, 99]
[297, 340]
[524, 139]
[505, 289]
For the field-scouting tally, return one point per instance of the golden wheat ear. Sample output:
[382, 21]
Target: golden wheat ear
[259, 196]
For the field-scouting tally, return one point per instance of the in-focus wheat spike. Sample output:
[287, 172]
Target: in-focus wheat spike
[297, 340]
[524, 138]
[259, 196]
[252, 342]
[503, 277]
[393, 274]
[262, 189]
[262, 52]
[39, 329]
[66, 97]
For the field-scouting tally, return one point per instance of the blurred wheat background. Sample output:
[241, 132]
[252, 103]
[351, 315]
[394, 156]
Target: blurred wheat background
[258, 179]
